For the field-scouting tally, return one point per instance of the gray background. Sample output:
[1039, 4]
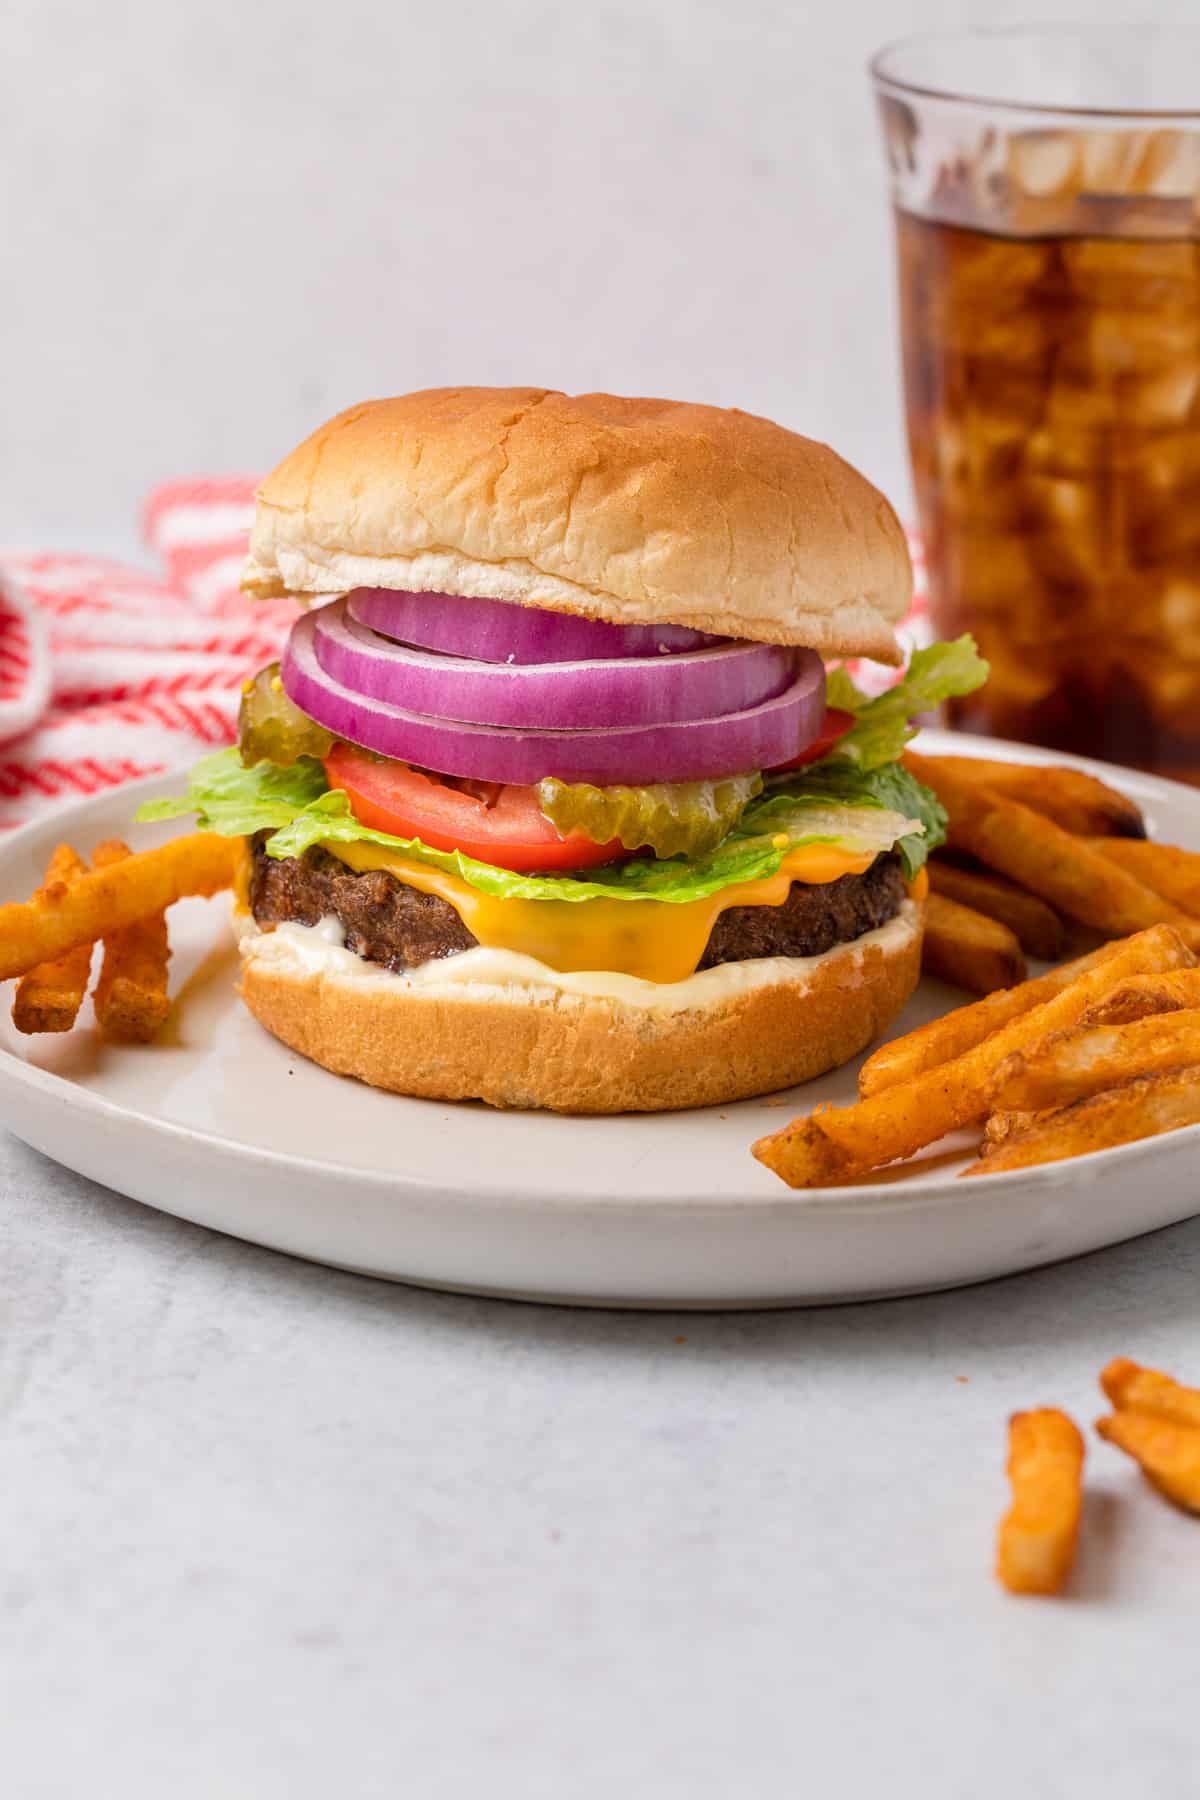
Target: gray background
[268, 1532]
[223, 222]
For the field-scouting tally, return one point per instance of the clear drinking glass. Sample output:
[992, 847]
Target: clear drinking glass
[1047, 204]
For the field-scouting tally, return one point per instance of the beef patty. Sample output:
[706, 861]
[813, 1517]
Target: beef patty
[387, 922]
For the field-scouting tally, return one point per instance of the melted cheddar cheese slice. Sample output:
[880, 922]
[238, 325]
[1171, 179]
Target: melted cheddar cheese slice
[655, 939]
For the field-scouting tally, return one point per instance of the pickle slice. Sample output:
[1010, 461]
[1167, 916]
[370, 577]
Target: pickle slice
[272, 729]
[672, 818]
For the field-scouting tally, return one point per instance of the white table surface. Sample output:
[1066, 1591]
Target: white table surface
[269, 1530]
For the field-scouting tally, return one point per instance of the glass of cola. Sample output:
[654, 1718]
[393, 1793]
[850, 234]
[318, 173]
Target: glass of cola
[1046, 186]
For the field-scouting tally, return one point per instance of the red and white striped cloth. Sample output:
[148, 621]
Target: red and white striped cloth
[108, 672]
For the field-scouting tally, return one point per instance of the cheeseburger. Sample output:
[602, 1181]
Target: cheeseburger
[554, 798]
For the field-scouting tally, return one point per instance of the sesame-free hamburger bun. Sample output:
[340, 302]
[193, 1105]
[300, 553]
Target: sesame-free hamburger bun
[626, 510]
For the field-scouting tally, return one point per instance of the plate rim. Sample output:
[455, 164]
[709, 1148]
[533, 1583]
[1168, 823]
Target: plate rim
[889, 1194]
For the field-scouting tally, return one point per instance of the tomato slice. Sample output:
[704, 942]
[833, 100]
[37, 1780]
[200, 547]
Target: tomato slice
[835, 724]
[494, 823]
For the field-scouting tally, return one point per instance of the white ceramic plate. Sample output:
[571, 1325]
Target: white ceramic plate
[220, 1124]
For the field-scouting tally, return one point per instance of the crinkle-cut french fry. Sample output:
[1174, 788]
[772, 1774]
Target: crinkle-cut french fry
[1077, 802]
[968, 949]
[1144, 996]
[951, 1036]
[1030, 848]
[1131, 1388]
[1167, 1453]
[1146, 1107]
[1037, 927]
[106, 900]
[1068, 1065]
[840, 1144]
[130, 997]
[48, 998]
[1035, 1546]
[1170, 871]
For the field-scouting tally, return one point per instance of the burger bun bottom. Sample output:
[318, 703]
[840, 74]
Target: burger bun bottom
[532, 1047]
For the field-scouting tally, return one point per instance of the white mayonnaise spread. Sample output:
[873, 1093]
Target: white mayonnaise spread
[308, 951]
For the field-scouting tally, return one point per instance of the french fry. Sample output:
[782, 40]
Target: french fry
[1130, 1388]
[1082, 940]
[1005, 1123]
[1069, 1065]
[1035, 1547]
[130, 997]
[840, 1144]
[1170, 871]
[1167, 1453]
[1077, 802]
[1037, 927]
[48, 998]
[1145, 1107]
[107, 900]
[968, 949]
[1030, 848]
[951, 1036]
[1142, 996]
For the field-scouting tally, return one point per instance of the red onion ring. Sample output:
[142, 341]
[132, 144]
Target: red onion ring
[686, 750]
[499, 631]
[697, 684]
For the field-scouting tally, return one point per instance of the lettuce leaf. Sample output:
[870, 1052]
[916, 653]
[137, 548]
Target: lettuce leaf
[891, 788]
[296, 807]
[884, 725]
[236, 802]
[329, 820]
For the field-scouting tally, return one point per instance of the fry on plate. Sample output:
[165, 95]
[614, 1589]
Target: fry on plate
[1131, 1388]
[1068, 1065]
[1145, 1107]
[951, 1036]
[1003, 1123]
[1037, 927]
[49, 996]
[841, 1144]
[1167, 1452]
[131, 993]
[968, 949]
[1035, 1548]
[102, 901]
[1170, 871]
[1078, 802]
[1028, 847]
[1144, 995]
